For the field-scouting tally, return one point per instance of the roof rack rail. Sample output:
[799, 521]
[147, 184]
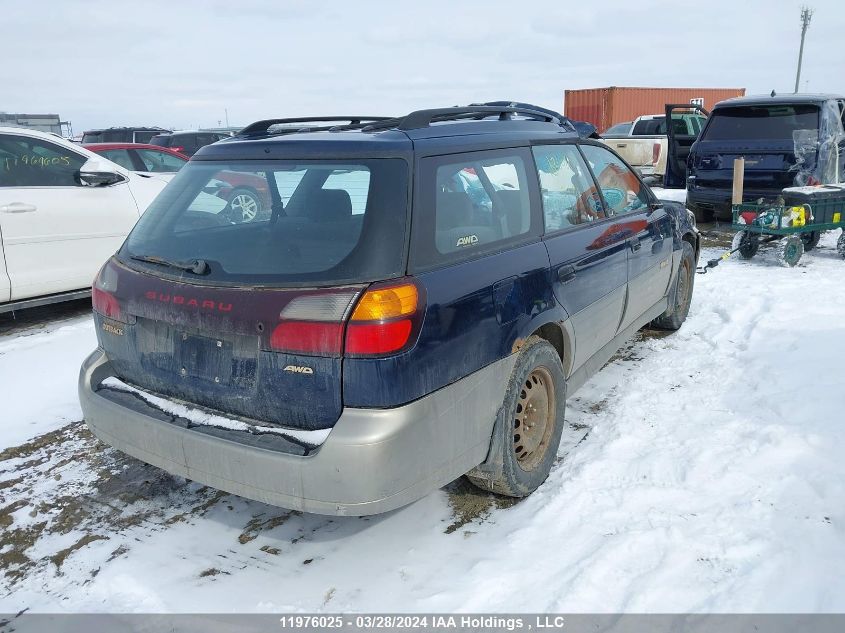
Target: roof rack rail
[424, 118]
[260, 127]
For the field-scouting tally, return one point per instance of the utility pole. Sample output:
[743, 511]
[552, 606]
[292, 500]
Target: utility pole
[806, 16]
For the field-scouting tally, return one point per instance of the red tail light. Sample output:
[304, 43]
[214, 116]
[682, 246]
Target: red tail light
[308, 337]
[385, 320]
[655, 153]
[102, 299]
[105, 304]
[178, 148]
[369, 339]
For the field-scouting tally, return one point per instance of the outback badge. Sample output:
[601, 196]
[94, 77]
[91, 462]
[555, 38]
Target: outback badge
[112, 329]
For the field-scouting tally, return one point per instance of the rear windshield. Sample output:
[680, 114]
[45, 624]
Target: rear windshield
[775, 122]
[278, 223]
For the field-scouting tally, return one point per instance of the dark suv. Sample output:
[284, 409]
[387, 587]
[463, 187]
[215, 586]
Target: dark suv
[786, 141]
[424, 294]
[187, 143]
[122, 134]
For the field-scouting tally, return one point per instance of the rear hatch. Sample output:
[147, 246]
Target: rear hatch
[775, 141]
[235, 288]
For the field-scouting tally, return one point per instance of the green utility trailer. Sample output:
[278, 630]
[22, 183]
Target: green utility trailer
[797, 220]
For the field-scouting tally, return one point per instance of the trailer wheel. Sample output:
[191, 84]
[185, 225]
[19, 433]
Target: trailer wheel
[747, 242]
[840, 244]
[811, 240]
[790, 250]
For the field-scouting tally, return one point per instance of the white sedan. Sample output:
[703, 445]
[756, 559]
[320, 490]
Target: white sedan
[64, 211]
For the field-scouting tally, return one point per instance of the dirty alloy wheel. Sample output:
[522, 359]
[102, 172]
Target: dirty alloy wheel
[790, 250]
[747, 242]
[681, 298]
[840, 244]
[811, 239]
[529, 424]
[245, 205]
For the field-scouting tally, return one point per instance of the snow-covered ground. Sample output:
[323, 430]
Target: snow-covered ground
[711, 479]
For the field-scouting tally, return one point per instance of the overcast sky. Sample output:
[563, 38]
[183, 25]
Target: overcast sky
[182, 63]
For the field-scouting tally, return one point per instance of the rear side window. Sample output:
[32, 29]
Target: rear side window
[119, 156]
[162, 140]
[567, 189]
[159, 161]
[29, 162]
[472, 204]
[622, 190]
[775, 122]
[337, 222]
[650, 127]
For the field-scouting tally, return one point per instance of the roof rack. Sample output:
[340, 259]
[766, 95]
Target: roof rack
[424, 118]
[260, 127]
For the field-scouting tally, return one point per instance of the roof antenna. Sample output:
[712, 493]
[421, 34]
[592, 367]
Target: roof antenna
[773, 93]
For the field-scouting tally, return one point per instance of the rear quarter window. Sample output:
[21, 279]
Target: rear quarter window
[473, 204]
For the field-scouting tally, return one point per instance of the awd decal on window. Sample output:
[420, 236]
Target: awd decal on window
[467, 240]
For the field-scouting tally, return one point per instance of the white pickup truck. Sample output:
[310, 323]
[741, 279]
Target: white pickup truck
[645, 143]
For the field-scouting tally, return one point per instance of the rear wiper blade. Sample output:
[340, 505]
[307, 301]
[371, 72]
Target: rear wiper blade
[196, 266]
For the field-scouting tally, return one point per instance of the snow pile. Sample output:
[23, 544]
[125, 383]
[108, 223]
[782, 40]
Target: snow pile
[205, 418]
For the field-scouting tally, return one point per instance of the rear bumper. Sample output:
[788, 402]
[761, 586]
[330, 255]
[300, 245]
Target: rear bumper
[374, 460]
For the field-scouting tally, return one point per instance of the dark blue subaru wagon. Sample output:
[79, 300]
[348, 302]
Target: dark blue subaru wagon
[413, 300]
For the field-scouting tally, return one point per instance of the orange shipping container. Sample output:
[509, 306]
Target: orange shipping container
[604, 107]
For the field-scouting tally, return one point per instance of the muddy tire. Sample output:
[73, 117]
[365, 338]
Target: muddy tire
[790, 251]
[747, 242]
[681, 296]
[811, 240]
[840, 244]
[529, 425]
[702, 216]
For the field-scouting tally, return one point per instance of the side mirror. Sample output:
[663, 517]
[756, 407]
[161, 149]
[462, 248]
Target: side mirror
[97, 173]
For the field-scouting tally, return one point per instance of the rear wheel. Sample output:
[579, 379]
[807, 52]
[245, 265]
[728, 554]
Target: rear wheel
[244, 205]
[790, 250]
[681, 299]
[703, 216]
[529, 425]
[811, 240]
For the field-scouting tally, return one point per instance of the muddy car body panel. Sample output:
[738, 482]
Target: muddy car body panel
[382, 305]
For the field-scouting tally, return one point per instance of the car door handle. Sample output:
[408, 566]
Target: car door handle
[621, 145]
[566, 273]
[18, 207]
[636, 244]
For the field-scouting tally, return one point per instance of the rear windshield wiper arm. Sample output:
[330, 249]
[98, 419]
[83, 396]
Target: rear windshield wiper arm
[197, 266]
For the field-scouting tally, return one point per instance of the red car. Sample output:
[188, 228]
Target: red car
[247, 195]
